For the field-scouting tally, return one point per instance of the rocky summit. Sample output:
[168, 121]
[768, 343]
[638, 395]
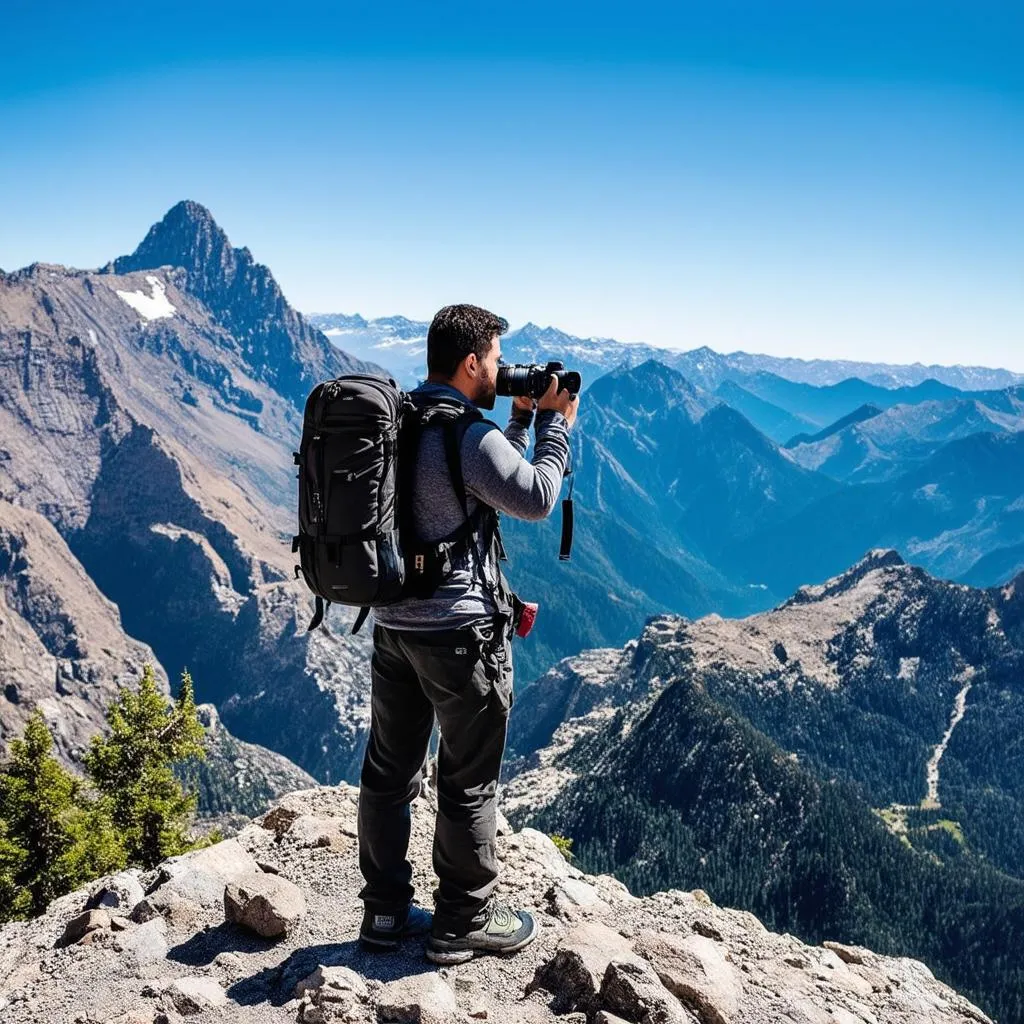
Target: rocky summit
[262, 928]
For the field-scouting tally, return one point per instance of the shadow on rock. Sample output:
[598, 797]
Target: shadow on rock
[204, 947]
[276, 985]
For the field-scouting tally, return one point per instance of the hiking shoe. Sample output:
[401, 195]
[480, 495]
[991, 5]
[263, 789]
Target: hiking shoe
[385, 929]
[504, 931]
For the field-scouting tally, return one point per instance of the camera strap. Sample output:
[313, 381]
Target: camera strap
[565, 548]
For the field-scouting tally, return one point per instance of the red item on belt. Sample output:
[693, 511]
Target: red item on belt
[527, 618]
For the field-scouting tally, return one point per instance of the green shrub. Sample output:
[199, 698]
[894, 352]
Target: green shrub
[133, 768]
[564, 846]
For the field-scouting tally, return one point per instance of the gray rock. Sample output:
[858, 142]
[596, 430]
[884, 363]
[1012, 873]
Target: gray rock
[200, 877]
[539, 848]
[269, 905]
[417, 999]
[119, 892]
[146, 944]
[80, 926]
[308, 831]
[226, 860]
[195, 995]
[576, 972]
[332, 984]
[180, 913]
[694, 969]
[632, 989]
[230, 963]
[848, 954]
[571, 898]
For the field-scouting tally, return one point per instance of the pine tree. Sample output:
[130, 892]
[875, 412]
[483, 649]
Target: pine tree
[15, 900]
[53, 837]
[133, 767]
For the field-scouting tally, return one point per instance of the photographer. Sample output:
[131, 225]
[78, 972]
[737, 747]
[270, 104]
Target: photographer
[450, 655]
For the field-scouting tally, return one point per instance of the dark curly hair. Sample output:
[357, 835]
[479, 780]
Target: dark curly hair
[458, 330]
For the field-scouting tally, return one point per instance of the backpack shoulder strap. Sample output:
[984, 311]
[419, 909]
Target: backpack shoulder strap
[454, 432]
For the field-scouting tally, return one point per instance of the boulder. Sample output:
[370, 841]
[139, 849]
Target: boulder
[180, 913]
[333, 984]
[694, 969]
[195, 995]
[576, 972]
[571, 898]
[80, 926]
[417, 999]
[269, 905]
[225, 860]
[308, 831]
[200, 876]
[632, 989]
[537, 847]
[119, 892]
[145, 944]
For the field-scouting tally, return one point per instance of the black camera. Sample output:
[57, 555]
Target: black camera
[532, 379]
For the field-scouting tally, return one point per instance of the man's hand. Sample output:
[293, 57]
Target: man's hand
[523, 403]
[564, 402]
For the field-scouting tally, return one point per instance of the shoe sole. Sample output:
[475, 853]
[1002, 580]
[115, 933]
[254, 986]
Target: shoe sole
[448, 957]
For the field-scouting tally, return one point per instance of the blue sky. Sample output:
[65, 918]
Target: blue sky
[823, 179]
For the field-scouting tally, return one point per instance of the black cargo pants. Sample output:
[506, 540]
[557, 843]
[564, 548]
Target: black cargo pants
[464, 677]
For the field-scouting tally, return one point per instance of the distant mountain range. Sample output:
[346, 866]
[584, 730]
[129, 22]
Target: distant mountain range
[873, 444]
[400, 344]
[809, 397]
[847, 764]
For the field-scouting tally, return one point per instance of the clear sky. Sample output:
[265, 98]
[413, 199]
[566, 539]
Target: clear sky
[817, 179]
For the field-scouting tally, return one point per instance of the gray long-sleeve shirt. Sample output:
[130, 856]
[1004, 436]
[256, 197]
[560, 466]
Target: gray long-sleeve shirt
[497, 473]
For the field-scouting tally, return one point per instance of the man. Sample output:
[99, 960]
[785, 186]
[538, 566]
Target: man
[449, 655]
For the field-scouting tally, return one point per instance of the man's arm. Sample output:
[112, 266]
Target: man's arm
[497, 474]
[518, 429]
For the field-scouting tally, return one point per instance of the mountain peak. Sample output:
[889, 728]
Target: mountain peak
[650, 385]
[191, 211]
[278, 344]
[876, 558]
[188, 237]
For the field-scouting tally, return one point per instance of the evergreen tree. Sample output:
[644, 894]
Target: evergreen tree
[133, 767]
[14, 898]
[53, 837]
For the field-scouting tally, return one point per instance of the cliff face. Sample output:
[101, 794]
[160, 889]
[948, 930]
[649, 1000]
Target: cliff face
[158, 444]
[602, 954]
[64, 648]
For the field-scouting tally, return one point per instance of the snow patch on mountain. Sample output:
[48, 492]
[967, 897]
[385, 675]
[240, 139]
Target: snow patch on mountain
[150, 307]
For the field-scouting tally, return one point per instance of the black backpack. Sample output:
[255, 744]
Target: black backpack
[357, 541]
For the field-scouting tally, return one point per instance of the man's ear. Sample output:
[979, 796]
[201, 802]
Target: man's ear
[471, 364]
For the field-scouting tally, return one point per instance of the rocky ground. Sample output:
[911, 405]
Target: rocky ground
[182, 942]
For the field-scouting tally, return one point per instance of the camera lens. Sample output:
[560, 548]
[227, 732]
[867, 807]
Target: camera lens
[513, 380]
